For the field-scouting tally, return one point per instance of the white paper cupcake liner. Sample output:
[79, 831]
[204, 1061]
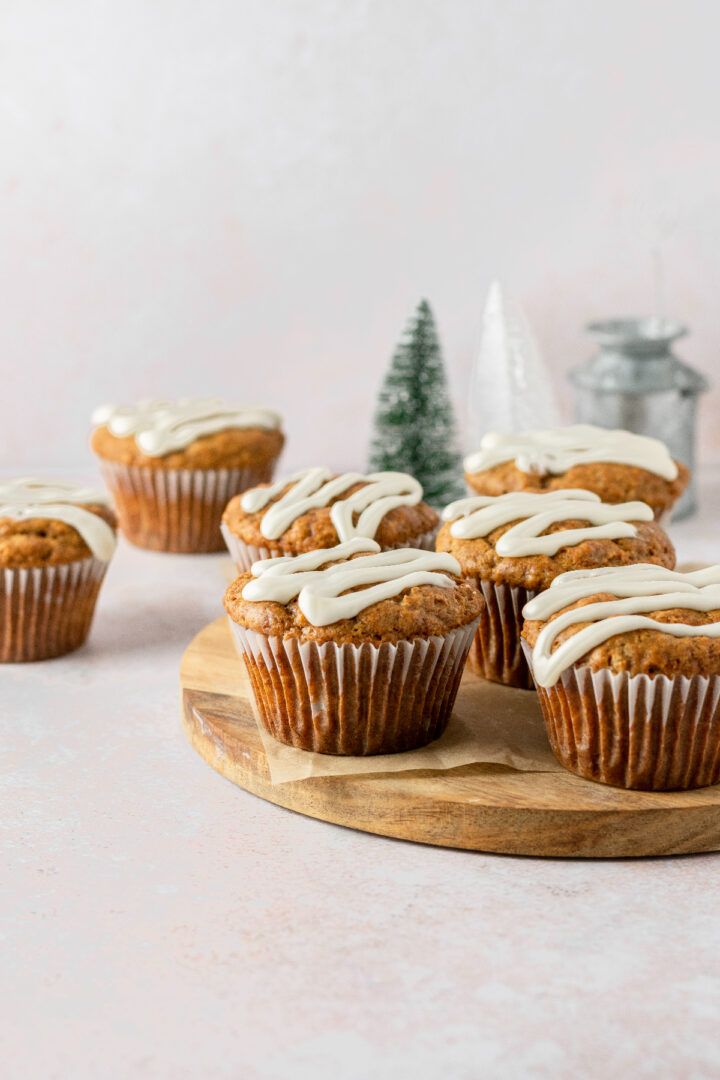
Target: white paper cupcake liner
[244, 555]
[426, 541]
[496, 653]
[649, 733]
[354, 699]
[176, 509]
[47, 611]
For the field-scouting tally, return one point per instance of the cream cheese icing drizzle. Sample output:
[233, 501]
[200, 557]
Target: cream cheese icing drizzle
[313, 488]
[557, 449]
[29, 498]
[637, 589]
[377, 576]
[160, 427]
[535, 512]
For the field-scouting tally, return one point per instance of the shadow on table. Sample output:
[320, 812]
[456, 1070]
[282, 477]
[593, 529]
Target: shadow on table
[126, 633]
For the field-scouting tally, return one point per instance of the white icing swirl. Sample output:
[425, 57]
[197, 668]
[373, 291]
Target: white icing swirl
[639, 588]
[29, 498]
[556, 450]
[535, 512]
[312, 488]
[387, 573]
[160, 427]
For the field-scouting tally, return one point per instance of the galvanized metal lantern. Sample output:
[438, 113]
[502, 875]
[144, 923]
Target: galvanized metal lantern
[636, 383]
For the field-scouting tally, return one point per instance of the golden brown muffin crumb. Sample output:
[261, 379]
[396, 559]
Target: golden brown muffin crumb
[34, 542]
[478, 557]
[614, 483]
[234, 448]
[644, 652]
[401, 527]
[420, 612]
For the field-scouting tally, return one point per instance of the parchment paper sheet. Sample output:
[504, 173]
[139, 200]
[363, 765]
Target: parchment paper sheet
[491, 724]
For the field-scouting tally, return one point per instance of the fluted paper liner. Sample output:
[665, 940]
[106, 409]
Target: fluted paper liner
[244, 555]
[647, 733]
[47, 611]
[496, 652]
[354, 699]
[491, 725]
[176, 510]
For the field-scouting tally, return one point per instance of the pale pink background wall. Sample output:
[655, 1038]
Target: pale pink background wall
[249, 197]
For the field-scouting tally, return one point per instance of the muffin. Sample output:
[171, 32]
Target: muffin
[316, 508]
[56, 541]
[351, 650]
[172, 466]
[513, 546]
[627, 666]
[617, 465]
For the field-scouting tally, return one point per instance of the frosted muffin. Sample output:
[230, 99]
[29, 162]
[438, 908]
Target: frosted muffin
[513, 546]
[351, 650]
[56, 541]
[319, 509]
[627, 666]
[172, 466]
[617, 465]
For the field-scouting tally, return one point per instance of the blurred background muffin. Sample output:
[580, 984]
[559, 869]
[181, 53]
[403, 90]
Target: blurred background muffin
[172, 466]
[619, 466]
[319, 509]
[56, 541]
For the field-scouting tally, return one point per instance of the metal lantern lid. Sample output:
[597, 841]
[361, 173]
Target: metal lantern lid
[636, 357]
[636, 383]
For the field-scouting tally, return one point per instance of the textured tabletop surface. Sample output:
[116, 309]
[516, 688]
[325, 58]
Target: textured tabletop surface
[155, 921]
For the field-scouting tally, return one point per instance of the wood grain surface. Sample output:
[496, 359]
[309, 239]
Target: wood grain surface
[476, 807]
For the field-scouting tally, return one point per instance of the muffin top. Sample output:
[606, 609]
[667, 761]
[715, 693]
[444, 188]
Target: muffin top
[527, 538]
[616, 465]
[190, 433]
[317, 509]
[48, 524]
[354, 593]
[642, 619]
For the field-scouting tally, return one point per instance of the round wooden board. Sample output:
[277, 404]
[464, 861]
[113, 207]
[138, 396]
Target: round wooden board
[477, 807]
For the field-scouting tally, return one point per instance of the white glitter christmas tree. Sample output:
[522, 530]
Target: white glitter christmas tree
[511, 388]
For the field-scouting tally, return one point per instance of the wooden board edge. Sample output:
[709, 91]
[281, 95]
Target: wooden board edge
[593, 834]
